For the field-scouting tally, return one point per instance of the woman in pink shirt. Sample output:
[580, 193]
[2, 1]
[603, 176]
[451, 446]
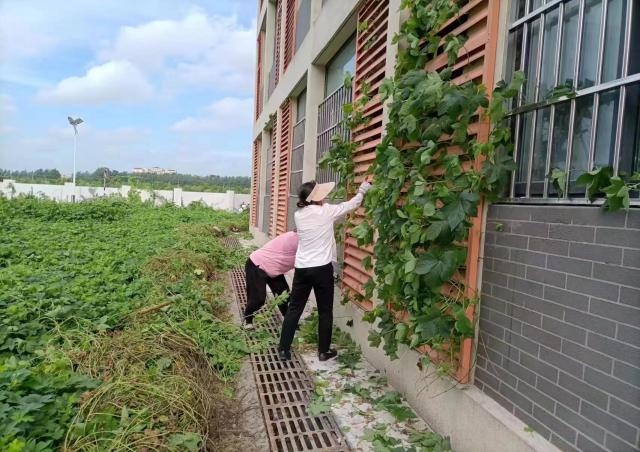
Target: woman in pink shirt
[267, 266]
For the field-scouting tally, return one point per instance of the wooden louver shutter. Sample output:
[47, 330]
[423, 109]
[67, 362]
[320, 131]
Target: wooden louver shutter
[284, 162]
[478, 21]
[371, 58]
[255, 179]
[289, 33]
[276, 61]
[272, 201]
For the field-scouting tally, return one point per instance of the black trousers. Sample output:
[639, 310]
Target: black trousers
[320, 279]
[257, 282]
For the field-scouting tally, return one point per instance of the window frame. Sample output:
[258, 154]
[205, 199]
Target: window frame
[538, 106]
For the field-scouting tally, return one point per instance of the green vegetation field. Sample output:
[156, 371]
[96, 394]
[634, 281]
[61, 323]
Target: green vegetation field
[113, 178]
[114, 330]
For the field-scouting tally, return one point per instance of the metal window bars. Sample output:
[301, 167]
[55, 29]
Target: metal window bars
[330, 124]
[534, 103]
[297, 161]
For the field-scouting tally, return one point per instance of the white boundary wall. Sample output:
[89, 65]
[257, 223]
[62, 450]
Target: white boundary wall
[68, 192]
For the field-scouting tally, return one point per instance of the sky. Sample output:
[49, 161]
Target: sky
[165, 83]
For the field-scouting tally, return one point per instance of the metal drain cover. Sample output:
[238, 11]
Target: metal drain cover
[284, 390]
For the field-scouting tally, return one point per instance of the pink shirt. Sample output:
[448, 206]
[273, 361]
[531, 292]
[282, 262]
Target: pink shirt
[277, 256]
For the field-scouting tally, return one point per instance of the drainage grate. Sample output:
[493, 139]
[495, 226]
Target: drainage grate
[230, 241]
[285, 390]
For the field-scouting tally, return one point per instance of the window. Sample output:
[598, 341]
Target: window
[342, 63]
[303, 21]
[584, 46]
[297, 156]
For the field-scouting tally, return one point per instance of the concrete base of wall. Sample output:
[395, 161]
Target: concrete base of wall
[473, 421]
[259, 237]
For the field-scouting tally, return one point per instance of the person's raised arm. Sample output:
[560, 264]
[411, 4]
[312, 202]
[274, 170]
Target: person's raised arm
[338, 210]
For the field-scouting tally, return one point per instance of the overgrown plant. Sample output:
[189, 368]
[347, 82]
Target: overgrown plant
[114, 331]
[616, 189]
[430, 174]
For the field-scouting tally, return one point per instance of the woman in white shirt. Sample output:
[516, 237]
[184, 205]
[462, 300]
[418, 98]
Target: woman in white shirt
[313, 264]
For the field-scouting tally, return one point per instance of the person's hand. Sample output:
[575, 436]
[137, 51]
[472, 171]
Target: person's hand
[365, 186]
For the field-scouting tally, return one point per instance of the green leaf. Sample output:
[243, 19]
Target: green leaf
[617, 195]
[188, 441]
[410, 265]
[401, 332]
[436, 229]
[429, 209]
[437, 269]
[318, 405]
[559, 179]
[463, 324]
[595, 181]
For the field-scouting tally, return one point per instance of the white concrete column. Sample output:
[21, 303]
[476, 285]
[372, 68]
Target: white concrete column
[124, 191]
[262, 175]
[7, 188]
[231, 200]
[315, 96]
[269, 45]
[177, 196]
[69, 192]
[316, 8]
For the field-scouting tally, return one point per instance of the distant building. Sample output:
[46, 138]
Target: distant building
[154, 170]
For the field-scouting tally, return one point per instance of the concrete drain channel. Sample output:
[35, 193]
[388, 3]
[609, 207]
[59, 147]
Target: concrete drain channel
[285, 390]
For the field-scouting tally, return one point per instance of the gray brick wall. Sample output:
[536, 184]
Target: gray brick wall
[559, 339]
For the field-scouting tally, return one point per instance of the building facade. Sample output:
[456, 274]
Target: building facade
[558, 349]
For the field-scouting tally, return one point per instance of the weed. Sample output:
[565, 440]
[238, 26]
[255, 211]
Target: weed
[114, 333]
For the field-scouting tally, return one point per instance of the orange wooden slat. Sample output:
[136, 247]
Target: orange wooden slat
[276, 63]
[370, 69]
[255, 179]
[463, 11]
[272, 200]
[289, 33]
[284, 164]
[477, 16]
[473, 43]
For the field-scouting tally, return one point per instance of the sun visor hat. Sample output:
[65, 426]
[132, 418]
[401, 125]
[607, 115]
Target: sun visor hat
[320, 191]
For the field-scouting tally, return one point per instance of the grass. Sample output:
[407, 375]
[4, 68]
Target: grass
[114, 329]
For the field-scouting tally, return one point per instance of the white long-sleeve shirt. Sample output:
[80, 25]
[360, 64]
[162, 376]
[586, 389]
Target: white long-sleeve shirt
[316, 242]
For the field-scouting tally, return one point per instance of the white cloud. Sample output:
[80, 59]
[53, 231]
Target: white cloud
[227, 114]
[113, 82]
[201, 50]
[149, 45]
[21, 40]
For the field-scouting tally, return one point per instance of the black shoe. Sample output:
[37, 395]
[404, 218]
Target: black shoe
[332, 353]
[285, 355]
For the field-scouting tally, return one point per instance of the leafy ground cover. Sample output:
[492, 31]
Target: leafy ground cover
[372, 415]
[114, 333]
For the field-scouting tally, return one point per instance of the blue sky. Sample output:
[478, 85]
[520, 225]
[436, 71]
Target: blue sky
[158, 83]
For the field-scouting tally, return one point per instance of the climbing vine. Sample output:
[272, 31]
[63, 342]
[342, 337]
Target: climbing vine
[428, 185]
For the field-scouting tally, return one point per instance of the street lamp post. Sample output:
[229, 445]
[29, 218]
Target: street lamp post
[75, 123]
